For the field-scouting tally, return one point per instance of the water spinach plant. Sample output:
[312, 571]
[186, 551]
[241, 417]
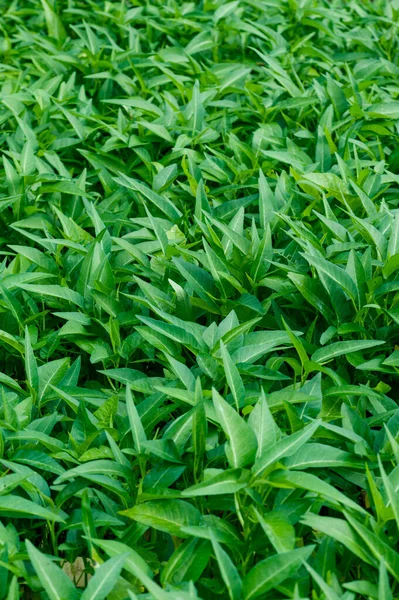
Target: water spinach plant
[199, 299]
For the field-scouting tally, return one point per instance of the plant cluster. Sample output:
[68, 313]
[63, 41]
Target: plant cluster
[199, 299]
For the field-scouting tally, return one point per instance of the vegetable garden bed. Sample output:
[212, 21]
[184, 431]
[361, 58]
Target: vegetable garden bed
[199, 300]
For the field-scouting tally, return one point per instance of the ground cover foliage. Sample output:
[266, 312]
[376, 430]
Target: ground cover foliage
[199, 308]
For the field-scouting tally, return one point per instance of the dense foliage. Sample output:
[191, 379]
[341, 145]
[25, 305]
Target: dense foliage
[199, 304]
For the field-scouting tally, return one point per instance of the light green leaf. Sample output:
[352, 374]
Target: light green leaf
[165, 515]
[242, 444]
[336, 349]
[233, 377]
[136, 426]
[283, 448]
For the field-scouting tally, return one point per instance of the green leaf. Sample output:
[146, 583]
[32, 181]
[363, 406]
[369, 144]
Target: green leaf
[165, 515]
[17, 507]
[242, 444]
[9, 340]
[390, 492]
[269, 573]
[136, 426]
[384, 588]
[134, 564]
[331, 351]
[54, 24]
[54, 291]
[328, 592]
[228, 571]
[227, 482]
[335, 273]
[188, 562]
[232, 377]
[283, 448]
[341, 531]
[379, 548]
[321, 456]
[262, 423]
[31, 369]
[105, 578]
[279, 531]
[163, 204]
[55, 582]
[310, 482]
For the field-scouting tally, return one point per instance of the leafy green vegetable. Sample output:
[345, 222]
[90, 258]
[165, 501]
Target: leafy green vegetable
[199, 300]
